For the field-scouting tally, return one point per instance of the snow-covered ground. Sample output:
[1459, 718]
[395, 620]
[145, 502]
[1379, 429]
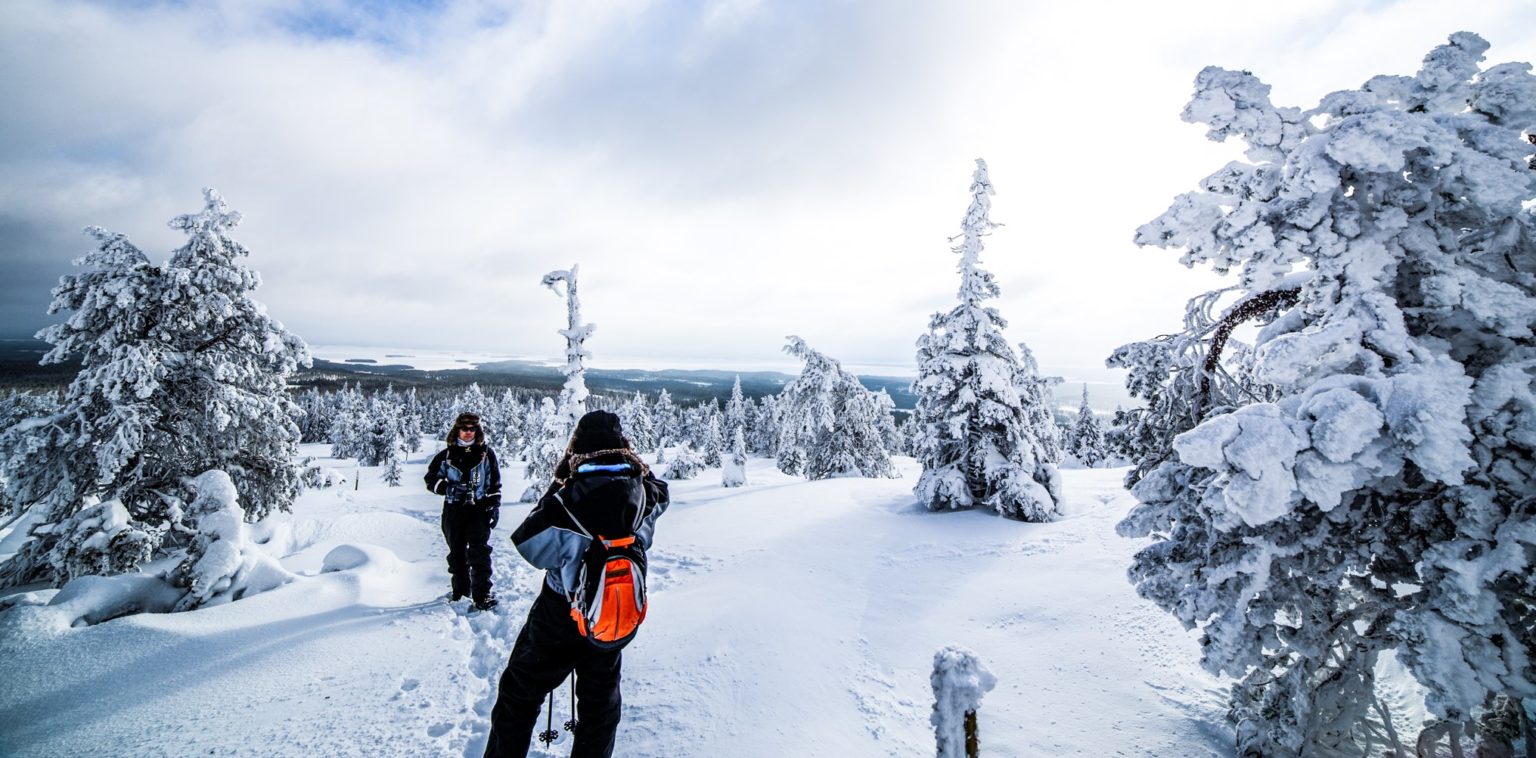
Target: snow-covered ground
[788, 618]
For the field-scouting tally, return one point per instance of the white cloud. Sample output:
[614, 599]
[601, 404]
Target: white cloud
[726, 173]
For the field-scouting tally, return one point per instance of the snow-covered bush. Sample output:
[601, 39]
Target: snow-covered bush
[1379, 496]
[977, 442]
[316, 477]
[830, 424]
[222, 564]
[181, 372]
[959, 681]
[686, 463]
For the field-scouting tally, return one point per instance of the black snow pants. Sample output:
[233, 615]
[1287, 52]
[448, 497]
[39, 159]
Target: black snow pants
[467, 529]
[547, 650]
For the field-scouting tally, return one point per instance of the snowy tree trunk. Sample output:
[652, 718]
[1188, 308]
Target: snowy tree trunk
[959, 681]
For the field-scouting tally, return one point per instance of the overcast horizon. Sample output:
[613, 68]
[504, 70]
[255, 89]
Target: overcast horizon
[725, 173]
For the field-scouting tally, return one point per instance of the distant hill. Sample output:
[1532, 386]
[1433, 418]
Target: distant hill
[19, 370]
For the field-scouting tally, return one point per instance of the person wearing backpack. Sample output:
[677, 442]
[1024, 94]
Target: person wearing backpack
[590, 532]
[468, 477]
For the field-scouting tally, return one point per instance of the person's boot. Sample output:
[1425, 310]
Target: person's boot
[485, 603]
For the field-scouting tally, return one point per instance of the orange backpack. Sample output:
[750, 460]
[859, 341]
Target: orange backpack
[608, 602]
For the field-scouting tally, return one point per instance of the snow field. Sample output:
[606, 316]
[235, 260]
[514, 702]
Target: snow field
[788, 617]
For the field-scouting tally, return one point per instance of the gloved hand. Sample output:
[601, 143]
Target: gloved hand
[492, 512]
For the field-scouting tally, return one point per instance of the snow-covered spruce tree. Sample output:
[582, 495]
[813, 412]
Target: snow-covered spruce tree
[471, 400]
[711, 442]
[381, 433]
[1086, 440]
[544, 453]
[733, 469]
[639, 426]
[975, 446]
[349, 423]
[665, 416]
[1381, 500]
[910, 431]
[735, 413]
[181, 372]
[764, 434]
[831, 423]
[885, 419]
[393, 469]
[1039, 400]
[411, 427]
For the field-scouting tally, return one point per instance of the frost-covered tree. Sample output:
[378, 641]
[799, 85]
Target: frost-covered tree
[733, 470]
[393, 470]
[1086, 439]
[763, 437]
[1039, 401]
[665, 416]
[471, 400]
[381, 433]
[639, 426]
[831, 423]
[711, 442]
[885, 419]
[1379, 498]
[181, 372]
[975, 445]
[573, 395]
[544, 454]
[735, 413]
[349, 423]
[411, 427]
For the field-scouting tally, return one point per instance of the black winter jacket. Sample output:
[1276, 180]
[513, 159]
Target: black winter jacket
[596, 501]
[466, 474]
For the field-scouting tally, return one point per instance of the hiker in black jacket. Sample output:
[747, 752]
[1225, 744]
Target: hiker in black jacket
[602, 490]
[469, 479]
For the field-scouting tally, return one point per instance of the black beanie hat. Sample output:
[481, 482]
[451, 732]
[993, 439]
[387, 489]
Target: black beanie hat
[598, 430]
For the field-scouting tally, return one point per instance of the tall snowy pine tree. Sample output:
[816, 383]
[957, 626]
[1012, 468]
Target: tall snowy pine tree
[975, 446]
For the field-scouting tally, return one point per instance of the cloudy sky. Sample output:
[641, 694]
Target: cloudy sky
[726, 173]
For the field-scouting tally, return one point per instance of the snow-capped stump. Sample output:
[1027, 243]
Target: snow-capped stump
[959, 681]
[1381, 432]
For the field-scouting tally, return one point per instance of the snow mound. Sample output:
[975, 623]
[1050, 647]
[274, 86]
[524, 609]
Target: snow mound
[364, 558]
